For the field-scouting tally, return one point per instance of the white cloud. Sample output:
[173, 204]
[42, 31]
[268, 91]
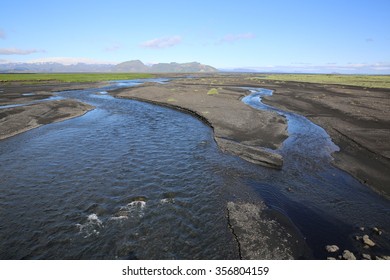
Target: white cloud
[162, 43]
[16, 51]
[230, 38]
[69, 60]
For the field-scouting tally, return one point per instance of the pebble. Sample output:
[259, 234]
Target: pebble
[331, 258]
[368, 241]
[377, 231]
[357, 237]
[366, 256]
[332, 248]
[362, 228]
[347, 255]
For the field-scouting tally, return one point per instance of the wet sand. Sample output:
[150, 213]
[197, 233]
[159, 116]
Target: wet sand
[23, 118]
[356, 118]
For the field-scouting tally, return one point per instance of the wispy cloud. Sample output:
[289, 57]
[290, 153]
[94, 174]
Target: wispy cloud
[230, 38]
[16, 51]
[70, 60]
[162, 43]
[113, 48]
[2, 34]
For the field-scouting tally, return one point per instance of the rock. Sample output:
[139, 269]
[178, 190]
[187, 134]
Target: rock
[366, 256]
[357, 237]
[347, 255]
[332, 248]
[368, 241]
[362, 228]
[331, 259]
[377, 231]
[382, 257]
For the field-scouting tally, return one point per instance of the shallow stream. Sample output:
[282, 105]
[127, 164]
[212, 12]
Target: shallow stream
[131, 180]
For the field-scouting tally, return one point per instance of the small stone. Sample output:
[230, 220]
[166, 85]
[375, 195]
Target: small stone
[385, 258]
[289, 189]
[357, 237]
[362, 228]
[366, 256]
[377, 230]
[331, 258]
[347, 255]
[332, 248]
[368, 241]
[378, 258]
[366, 247]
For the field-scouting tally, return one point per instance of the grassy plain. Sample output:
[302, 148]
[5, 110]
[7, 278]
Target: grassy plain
[34, 78]
[371, 81]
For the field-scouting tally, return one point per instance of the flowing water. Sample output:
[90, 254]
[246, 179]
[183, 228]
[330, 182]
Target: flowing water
[132, 180]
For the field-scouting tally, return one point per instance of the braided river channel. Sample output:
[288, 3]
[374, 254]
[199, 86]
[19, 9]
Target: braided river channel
[132, 180]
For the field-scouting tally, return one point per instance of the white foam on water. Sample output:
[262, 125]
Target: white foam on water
[167, 200]
[134, 209]
[118, 218]
[91, 227]
[137, 204]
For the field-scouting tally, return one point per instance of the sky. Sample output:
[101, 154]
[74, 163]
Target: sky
[276, 35]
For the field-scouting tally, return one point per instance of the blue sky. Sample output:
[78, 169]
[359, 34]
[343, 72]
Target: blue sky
[319, 36]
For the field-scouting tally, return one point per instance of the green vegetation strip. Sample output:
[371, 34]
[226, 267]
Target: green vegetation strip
[372, 81]
[212, 91]
[70, 77]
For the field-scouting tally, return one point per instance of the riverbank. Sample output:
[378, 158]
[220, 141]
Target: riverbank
[356, 118]
[15, 120]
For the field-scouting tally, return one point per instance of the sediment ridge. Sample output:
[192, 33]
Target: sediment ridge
[238, 128]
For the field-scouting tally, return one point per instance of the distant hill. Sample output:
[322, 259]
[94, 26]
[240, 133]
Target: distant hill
[53, 67]
[173, 67]
[133, 66]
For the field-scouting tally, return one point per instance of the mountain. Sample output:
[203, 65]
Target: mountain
[173, 67]
[133, 66]
[53, 67]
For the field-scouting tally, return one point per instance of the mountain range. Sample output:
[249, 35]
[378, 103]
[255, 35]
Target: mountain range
[125, 67]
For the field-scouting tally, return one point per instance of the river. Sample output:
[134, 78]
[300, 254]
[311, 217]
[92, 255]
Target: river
[132, 180]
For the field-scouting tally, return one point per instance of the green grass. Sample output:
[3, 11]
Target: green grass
[212, 91]
[70, 77]
[377, 81]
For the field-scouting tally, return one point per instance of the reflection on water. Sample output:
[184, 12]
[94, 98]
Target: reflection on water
[132, 180]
